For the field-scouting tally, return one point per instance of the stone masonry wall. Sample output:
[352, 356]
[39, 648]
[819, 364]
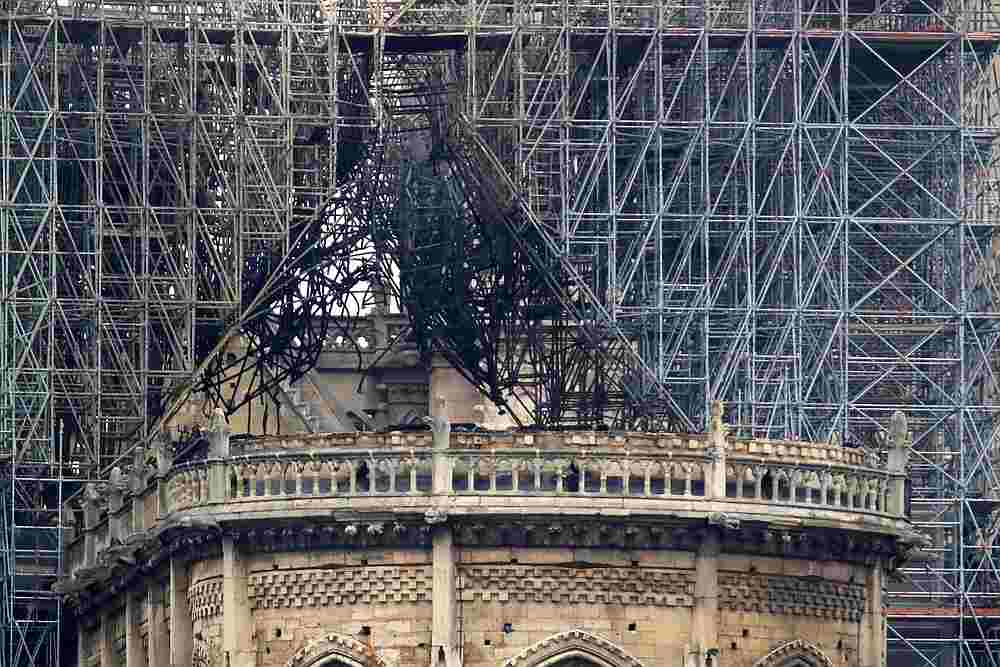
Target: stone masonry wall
[765, 602]
[379, 596]
[511, 599]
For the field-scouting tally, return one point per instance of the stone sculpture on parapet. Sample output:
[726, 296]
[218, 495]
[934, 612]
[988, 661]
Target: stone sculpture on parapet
[218, 435]
[440, 426]
[717, 412]
[899, 443]
[163, 450]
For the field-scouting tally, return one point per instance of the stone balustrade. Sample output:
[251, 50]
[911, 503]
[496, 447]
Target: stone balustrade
[579, 472]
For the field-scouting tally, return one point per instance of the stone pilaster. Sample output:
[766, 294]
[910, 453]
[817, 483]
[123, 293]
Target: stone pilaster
[218, 439]
[181, 630]
[704, 626]
[105, 642]
[133, 642]
[237, 645]
[873, 637]
[896, 500]
[159, 651]
[446, 650]
[81, 645]
[444, 634]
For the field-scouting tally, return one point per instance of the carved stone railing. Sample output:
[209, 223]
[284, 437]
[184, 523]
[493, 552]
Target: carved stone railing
[288, 475]
[652, 475]
[581, 471]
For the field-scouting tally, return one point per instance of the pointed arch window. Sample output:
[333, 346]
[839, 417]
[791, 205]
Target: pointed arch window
[798, 653]
[575, 648]
[575, 658]
[334, 650]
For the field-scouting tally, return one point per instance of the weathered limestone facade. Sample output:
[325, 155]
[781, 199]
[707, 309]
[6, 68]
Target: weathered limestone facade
[438, 549]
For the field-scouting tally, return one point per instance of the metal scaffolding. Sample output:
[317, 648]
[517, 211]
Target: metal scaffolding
[606, 214]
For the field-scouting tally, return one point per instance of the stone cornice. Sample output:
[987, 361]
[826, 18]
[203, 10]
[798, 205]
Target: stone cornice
[194, 540]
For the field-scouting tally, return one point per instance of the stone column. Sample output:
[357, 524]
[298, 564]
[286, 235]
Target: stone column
[873, 637]
[237, 625]
[133, 642]
[181, 629]
[704, 626]
[159, 651]
[446, 651]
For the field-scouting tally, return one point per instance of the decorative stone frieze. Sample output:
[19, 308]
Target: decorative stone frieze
[800, 596]
[573, 642]
[658, 587]
[205, 599]
[352, 585]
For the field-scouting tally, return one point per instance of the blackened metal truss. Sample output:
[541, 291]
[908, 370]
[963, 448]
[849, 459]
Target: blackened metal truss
[603, 213]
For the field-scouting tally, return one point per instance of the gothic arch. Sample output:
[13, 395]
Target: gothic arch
[575, 643]
[346, 649]
[793, 654]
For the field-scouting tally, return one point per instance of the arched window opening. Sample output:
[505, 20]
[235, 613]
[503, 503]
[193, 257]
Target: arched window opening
[796, 653]
[575, 648]
[574, 659]
[335, 661]
[334, 650]
[576, 662]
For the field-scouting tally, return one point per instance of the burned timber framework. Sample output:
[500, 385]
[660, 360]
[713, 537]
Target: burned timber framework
[604, 214]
